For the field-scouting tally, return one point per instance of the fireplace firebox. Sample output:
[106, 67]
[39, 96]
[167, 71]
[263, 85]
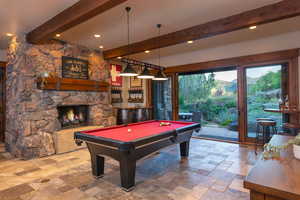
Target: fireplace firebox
[73, 116]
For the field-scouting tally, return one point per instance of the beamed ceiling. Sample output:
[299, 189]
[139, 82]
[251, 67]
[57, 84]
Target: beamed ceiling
[174, 15]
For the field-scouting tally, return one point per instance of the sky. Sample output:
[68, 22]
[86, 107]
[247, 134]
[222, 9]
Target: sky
[251, 72]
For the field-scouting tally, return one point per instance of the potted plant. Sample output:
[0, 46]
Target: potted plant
[296, 146]
[272, 151]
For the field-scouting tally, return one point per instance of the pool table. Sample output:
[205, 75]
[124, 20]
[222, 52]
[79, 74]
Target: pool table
[131, 142]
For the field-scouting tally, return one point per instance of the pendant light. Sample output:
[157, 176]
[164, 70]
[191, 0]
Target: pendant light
[160, 76]
[128, 71]
[146, 74]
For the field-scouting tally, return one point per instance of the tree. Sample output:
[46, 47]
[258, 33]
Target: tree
[269, 81]
[196, 87]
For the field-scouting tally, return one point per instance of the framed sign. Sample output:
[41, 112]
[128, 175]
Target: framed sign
[116, 79]
[136, 82]
[75, 68]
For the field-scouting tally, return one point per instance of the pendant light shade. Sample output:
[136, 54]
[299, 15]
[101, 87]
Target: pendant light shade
[160, 76]
[128, 71]
[146, 74]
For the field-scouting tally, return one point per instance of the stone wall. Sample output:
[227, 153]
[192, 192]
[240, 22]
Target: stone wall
[31, 114]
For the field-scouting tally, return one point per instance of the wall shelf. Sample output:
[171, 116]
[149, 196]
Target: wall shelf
[68, 84]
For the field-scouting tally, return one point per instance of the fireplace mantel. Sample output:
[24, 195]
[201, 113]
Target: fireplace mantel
[68, 84]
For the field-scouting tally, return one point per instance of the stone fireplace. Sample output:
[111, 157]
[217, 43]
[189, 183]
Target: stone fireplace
[73, 116]
[33, 116]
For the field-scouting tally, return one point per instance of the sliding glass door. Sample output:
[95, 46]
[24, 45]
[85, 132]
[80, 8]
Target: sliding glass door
[162, 99]
[228, 102]
[211, 99]
[265, 89]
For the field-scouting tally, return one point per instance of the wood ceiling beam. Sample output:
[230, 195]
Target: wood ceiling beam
[78, 13]
[274, 12]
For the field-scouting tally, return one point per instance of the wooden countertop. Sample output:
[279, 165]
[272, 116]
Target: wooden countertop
[281, 111]
[278, 177]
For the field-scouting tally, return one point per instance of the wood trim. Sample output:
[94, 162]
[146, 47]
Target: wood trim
[2, 64]
[175, 90]
[256, 195]
[78, 13]
[244, 61]
[293, 87]
[68, 84]
[3, 102]
[149, 102]
[242, 107]
[266, 14]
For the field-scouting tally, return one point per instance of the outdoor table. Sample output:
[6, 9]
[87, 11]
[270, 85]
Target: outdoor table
[185, 116]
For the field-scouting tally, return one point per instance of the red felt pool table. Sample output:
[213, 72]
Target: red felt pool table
[129, 143]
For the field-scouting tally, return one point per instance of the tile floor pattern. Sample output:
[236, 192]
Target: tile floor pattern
[214, 171]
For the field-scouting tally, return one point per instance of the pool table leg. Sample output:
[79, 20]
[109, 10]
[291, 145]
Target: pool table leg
[184, 149]
[127, 172]
[97, 165]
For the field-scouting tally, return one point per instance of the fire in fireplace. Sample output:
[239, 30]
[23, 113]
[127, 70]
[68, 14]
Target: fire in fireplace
[73, 116]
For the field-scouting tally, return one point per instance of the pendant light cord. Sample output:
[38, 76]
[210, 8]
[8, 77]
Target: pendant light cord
[159, 48]
[158, 26]
[128, 29]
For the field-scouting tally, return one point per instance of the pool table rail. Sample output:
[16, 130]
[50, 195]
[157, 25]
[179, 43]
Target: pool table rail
[81, 136]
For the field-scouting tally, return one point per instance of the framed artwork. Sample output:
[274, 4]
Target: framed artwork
[116, 79]
[136, 82]
[75, 68]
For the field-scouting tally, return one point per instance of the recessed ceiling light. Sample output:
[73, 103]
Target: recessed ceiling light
[9, 34]
[57, 35]
[119, 57]
[190, 42]
[147, 51]
[101, 47]
[97, 35]
[252, 27]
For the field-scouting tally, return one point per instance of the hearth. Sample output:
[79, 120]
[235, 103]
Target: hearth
[73, 116]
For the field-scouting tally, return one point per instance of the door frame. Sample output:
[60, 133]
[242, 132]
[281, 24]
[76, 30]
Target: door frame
[3, 101]
[241, 63]
[243, 93]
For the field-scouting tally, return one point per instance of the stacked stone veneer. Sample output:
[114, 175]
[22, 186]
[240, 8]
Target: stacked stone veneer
[31, 114]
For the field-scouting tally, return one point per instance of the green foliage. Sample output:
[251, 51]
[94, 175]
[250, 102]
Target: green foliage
[270, 81]
[195, 87]
[217, 99]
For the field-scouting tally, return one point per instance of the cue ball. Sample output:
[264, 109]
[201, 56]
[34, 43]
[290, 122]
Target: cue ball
[129, 130]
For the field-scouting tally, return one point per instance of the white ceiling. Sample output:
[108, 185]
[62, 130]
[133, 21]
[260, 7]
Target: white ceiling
[172, 14]
[21, 16]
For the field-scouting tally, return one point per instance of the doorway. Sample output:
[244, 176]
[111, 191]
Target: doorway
[211, 98]
[162, 99]
[266, 87]
[2, 101]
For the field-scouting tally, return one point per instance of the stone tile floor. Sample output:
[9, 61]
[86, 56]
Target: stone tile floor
[214, 171]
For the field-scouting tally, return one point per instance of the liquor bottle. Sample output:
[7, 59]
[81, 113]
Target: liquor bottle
[286, 102]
